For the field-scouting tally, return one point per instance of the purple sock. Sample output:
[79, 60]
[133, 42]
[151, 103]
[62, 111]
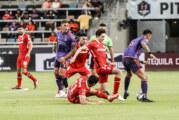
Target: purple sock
[127, 82]
[65, 82]
[144, 87]
[59, 83]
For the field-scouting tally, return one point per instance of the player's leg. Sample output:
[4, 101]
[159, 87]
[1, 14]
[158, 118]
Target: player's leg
[103, 86]
[19, 79]
[83, 71]
[63, 77]
[71, 71]
[117, 79]
[59, 83]
[126, 83]
[29, 75]
[102, 95]
[141, 74]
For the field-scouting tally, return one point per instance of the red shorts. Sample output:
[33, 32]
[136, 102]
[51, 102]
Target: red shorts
[83, 71]
[103, 73]
[22, 62]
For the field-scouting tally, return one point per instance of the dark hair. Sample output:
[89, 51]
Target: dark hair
[145, 32]
[102, 25]
[93, 79]
[83, 35]
[99, 32]
[64, 21]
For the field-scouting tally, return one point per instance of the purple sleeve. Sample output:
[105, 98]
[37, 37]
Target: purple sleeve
[145, 40]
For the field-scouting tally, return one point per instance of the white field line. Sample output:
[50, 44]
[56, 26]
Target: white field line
[12, 91]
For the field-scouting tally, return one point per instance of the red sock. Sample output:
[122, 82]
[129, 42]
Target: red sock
[116, 85]
[30, 76]
[101, 94]
[19, 78]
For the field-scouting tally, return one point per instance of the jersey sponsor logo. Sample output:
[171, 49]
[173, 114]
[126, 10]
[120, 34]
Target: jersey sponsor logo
[65, 39]
[101, 49]
[25, 64]
[20, 42]
[109, 68]
[83, 90]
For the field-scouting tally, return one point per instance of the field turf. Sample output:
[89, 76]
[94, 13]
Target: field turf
[40, 104]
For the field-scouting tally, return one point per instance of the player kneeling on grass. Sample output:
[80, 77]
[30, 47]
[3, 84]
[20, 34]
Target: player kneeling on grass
[82, 88]
[25, 48]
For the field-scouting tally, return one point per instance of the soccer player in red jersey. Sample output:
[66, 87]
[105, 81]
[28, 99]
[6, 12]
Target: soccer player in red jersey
[82, 88]
[79, 65]
[102, 65]
[25, 48]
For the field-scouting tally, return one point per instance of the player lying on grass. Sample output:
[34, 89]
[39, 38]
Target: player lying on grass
[79, 65]
[82, 88]
[103, 66]
[25, 48]
[132, 63]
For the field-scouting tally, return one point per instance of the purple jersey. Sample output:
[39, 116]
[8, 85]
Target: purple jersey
[64, 43]
[135, 48]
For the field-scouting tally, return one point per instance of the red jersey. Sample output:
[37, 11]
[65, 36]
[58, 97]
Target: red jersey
[81, 58]
[98, 52]
[79, 87]
[23, 40]
[7, 16]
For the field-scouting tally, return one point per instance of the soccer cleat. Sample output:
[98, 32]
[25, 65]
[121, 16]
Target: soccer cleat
[126, 95]
[65, 96]
[17, 87]
[120, 98]
[115, 96]
[60, 95]
[146, 100]
[36, 84]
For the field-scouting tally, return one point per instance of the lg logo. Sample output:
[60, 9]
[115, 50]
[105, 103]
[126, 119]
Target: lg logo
[1, 61]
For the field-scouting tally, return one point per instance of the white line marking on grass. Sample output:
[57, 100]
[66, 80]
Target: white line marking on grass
[12, 91]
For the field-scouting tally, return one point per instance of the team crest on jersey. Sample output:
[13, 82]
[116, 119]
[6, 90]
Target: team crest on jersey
[65, 39]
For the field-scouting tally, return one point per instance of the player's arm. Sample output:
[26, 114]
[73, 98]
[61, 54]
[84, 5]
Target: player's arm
[145, 46]
[143, 62]
[111, 53]
[30, 46]
[84, 101]
[76, 53]
[72, 52]
[110, 63]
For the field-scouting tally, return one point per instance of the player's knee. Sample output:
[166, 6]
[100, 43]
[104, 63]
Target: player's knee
[61, 75]
[119, 72]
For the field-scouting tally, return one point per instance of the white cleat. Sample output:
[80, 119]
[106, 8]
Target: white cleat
[120, 98]
[60, 95]
[36, 84]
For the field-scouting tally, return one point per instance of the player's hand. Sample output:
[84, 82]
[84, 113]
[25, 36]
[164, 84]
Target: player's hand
[72, 60]
[153, 56]
[87, 61]
[27, 55]
[99, 102]
[62, 59]
[145, 62]
[113, 64]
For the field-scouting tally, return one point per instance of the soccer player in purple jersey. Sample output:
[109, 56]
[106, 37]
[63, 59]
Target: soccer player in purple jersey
[132, 63]
[65, 47]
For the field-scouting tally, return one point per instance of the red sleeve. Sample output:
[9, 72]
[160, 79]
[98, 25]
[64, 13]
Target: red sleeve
[28, 38]
[90, 45]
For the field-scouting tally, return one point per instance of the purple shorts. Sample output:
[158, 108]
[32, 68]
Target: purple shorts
[131, 64]
[61, 65]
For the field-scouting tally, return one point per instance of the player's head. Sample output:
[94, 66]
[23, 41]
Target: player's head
[21, 30]
[147, 33]
[83, 39]
[100, 35]
[102, 26]
[92, 80]
[64, 26]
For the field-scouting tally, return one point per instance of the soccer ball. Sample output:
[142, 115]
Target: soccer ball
[139, 96]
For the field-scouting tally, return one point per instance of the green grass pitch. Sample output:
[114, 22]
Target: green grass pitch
[40, 104]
